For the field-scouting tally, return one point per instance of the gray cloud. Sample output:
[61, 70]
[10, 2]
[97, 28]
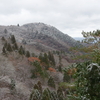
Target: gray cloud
[69, 16]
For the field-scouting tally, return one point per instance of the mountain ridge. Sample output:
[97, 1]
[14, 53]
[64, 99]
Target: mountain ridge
[40, 33]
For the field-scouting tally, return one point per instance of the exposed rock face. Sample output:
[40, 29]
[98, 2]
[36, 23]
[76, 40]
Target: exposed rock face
[46, 35]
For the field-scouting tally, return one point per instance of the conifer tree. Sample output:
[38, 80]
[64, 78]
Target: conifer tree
[49, 55]
[5, 31]
[15, 46]
[18, 25]
[36, 86]
[60, 68]
[60, 93]
[66, 77]
[21, 50]
[46, 95]
[13, 40]
[3, 39]
[39, 86]
[35, 95]
[51, 58]
[54, 96]
[27, 54]
[33, 74]
[3, 50]
[5, 44]
[9, 48]
[41, 57]
[24, 41]
[60, 64]
[38, 69]
[46, 59]
[33, 54]
[51, 82]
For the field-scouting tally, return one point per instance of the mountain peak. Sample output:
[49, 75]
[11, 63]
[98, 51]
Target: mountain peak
[36, 24]
[43, 34]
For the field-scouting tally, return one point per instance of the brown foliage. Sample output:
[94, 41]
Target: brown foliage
[32, 59]
[72, 71]
[52, 69]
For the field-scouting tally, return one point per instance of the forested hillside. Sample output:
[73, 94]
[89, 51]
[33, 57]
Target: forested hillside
[44, 72]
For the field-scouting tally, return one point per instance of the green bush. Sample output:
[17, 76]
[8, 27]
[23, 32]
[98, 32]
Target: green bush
[67, 86]
[88, 81]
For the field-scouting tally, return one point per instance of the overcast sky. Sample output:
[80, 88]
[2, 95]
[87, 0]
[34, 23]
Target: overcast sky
[69, 16]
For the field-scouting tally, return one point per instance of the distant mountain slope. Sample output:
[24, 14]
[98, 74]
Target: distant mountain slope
[40, 34]
[79, 38]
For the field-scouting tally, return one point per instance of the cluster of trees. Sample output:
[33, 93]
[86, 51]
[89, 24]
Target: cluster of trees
[39, 94]
[88, 81]
[91, 41]
[91, 37]
[59, 52]
[10, 46]
[38, 71]
[87, 76]
[47, 59]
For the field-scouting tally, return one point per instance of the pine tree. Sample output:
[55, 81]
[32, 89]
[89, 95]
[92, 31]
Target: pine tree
[9, 48]
[39, 69]
[24, 41]
[33, 54]
[15, 46]
[46, 59]
[13, 40]
[60, 64]
[46, 95]
[5, 44]
[35, 95]
[21, 50]
[41, 57]
[36, 86]
[60, 68]
[18, 25]
[60, 93]
[54, 96]
[3, 50]
[5, 31]
[49, 55]
[51, 58]
[66, 77]
[33, 72]
[51, 82]
[27, 54]
[39, 86]
[3, 39]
